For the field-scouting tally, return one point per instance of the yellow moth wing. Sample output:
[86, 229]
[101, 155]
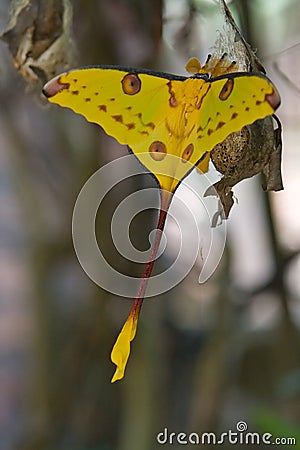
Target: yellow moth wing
[166, 120]
[98, 95]
[233, 102]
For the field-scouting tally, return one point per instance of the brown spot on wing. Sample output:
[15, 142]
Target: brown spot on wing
[187, 153]
[226, 89]
[198, 105]
[158, 150]
[131, 84]
[118, 118]
[172, 99]
[54, 86]
[102, 108]
[273, 99]
[200, 128]
[220, 125]
[150, 125]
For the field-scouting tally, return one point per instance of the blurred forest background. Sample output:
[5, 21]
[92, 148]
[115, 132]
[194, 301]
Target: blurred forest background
[205, 356]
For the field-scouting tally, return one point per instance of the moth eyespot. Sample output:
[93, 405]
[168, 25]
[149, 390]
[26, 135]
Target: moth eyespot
[158, 150]
[131, 84]
[227, 89]
[186, 155]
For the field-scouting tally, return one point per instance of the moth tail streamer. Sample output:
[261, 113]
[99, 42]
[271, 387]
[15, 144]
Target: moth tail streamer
[121, 349]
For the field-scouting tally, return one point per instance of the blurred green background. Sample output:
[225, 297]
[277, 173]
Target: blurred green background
[205, 356]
